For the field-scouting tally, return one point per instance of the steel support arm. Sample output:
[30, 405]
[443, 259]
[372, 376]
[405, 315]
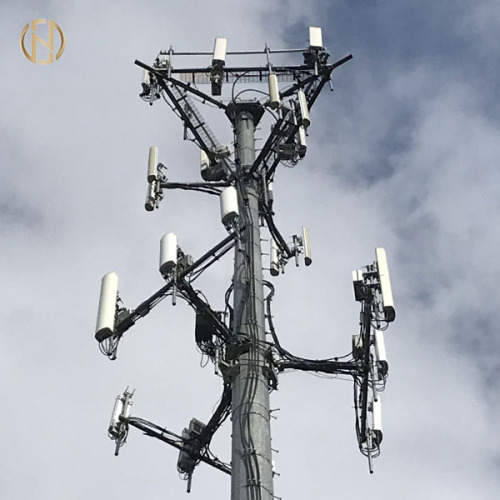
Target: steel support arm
[183, 85]
[152, 431]
[145, 307]
[333, 367]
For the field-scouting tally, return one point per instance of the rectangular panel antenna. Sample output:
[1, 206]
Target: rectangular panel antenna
[385, 285]
[315, 37]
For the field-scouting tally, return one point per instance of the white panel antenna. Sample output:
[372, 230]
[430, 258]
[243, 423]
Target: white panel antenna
[315, 37]
[385, 285]
[307, 246]
[153, 164]
[220, 47]
[377, 418]
[229, 205]
[107, 306]
[168, 253]
[304, 109]
[274, 91]
[380, 354]
[274, 257]
[380, 351]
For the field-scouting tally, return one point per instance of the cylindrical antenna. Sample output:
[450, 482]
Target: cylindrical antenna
[307, 246]
[107, 307]
[150, 202]
[304, 109]
[220, 46]
[153, 164]
[204, 163]
[229, 205]
[168, 253]
[302, 141]
[274, 257]
[274, 91]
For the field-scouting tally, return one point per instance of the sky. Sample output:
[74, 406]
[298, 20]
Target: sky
[403, 154]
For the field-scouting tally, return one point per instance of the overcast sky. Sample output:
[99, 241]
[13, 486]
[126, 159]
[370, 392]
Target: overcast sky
[403, 154]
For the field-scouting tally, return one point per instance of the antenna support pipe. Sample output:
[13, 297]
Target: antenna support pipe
[251, 464]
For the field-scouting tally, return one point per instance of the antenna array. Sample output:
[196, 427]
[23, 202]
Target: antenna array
[235, 339]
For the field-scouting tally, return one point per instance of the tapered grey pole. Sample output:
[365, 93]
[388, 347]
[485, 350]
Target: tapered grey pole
[252, 475]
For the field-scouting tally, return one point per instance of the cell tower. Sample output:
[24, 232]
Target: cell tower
[241, 340]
